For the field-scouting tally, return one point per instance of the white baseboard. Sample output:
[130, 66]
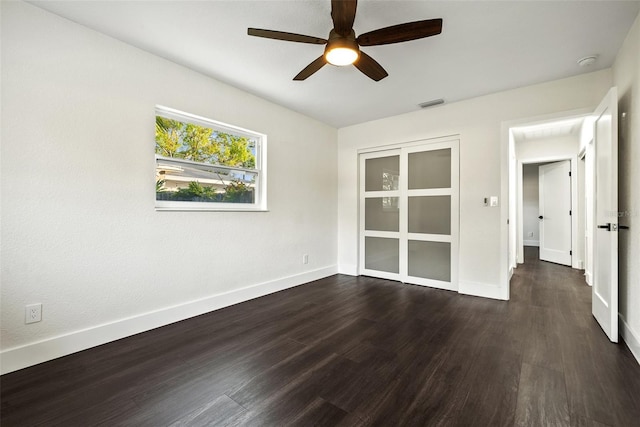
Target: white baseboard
[630, 337]
[348, 269]
[531, 243]
[485, 290]
[587, 277]
[31, 354]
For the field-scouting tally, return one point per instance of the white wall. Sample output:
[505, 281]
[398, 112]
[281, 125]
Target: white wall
[626, 76]
[478, 121]
[530, 206]
[79, 230]
[560, 147]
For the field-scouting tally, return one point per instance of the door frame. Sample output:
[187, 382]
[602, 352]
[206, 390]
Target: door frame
[508, 181]
[454, 140]
[520, 203]
[587, 154]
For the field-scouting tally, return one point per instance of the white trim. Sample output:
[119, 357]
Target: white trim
[423, 237]
[348, 269]
[172, 113]
[430, 192]
[431, 283]
[486, 290]
[31, 354]
[381, 234]
[438, 140]
[505, 134]
[587, 278]
[630, 337]
[260, 203]
[531, 243]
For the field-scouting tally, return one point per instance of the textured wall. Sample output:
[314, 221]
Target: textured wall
[478, 122]
[79, 229]
[626, 75]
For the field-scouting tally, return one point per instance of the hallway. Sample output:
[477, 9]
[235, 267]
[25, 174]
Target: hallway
[570, 363]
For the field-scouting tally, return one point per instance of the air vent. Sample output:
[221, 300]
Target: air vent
[431, 103]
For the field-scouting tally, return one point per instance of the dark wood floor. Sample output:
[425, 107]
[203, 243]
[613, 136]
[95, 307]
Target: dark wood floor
[347, 351]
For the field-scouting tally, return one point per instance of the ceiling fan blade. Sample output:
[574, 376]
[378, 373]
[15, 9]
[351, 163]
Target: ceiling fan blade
[281, 35]
[311, 68]
[370, 67]
[401, 33]
[343, 13]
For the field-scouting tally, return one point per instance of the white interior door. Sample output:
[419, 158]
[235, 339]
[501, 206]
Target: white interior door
[554, 180]
[605, 263]
[409, 214]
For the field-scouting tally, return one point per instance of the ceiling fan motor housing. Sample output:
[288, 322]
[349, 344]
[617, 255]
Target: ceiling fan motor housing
[341, 44]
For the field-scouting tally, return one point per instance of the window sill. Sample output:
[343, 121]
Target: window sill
[207, 209]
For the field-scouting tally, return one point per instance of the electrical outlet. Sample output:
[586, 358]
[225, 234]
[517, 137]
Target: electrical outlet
[305, 259]
[32, 313]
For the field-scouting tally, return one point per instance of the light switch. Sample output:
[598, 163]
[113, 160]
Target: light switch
[493, 201]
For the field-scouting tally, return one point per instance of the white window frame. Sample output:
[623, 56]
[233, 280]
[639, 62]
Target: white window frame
[260, 201]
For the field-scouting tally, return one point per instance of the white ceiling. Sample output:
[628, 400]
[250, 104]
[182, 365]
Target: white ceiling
[549, 129]
[485, 46]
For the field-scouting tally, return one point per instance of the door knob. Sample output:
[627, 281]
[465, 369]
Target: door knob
[540, 217]
[607, 226]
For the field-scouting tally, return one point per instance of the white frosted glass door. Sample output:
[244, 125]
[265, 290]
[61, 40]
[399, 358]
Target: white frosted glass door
[380, 214]
[409, 214]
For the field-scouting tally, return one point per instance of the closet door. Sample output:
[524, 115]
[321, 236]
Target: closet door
[380, 214]
[432, 215]
[409, 214]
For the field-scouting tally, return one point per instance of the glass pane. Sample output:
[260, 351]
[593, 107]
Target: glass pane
[185, 181]
[198, 162]
[430, 169]
[381, 214]
[430, 260]
[382, 254]
[382, 174]
[430, 214]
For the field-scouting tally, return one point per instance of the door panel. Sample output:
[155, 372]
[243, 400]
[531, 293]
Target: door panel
[382, 254]
[430, 214]
[381, 213]
[555, 212]
[430, 169]
[605, 264]
[409, 214]
[382, 173]
[430, 260]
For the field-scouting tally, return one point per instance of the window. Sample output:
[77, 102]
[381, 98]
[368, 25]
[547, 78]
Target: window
[202, 164]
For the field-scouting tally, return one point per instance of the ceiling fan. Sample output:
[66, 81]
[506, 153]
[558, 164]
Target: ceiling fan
[343, 47]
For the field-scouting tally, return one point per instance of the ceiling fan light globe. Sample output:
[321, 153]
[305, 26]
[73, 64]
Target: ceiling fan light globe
[341, 56]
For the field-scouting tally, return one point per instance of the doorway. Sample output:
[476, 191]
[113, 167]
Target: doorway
[554, 143]
[602, 129]
[546, 205]
[547, 210]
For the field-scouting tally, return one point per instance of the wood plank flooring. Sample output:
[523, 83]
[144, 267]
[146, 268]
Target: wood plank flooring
[347, 351]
